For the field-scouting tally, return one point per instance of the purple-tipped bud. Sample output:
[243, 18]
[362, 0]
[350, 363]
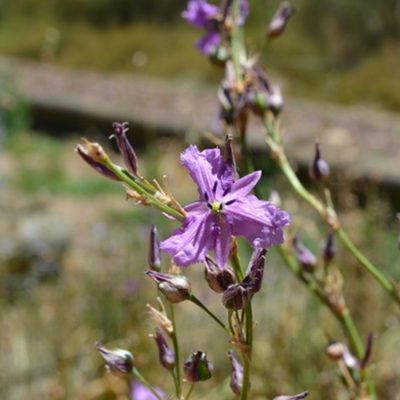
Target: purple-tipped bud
[166, 355]
[229, 155]
[280, 19]
[236, 374]
[304, 256]
[255, 272]
[117, 361]
[235, 297]
[319, 169]
[94, 155]
[368, 351]
[125, 148]
[329, 250]
[261, 101]
[175, 288]
[197, 367]
[154, 250]
[339, 351]
[299, 396]
[218, 279]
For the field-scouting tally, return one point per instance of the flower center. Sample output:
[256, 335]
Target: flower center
[216, 206]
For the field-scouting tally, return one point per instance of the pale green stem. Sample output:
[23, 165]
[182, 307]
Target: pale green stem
[177, 375]
[142, 379]
[328, 215]
[196, 301]
[190, 391]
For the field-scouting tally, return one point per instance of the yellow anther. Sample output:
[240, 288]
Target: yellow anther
[216, 206]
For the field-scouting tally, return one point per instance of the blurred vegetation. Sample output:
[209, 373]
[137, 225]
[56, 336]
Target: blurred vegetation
[332, 50]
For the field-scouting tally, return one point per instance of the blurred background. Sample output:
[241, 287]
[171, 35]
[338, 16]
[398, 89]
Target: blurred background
[73, 251]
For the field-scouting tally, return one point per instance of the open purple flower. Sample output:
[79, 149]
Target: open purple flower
[199, 13]
[225, 209]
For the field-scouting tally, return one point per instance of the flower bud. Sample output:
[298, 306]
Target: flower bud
[280, 19]
[236, 374]
[117, 361]
[229, 155]
[339, 351]
[255, 272]
[125, 148]
[166, 355]
[94, 155]
[197, 367]
[299, 396]
[329, 250]
[319, 169]
[304, 256]
[175, 288]
[154, 250]
[218, 279]
[235, 297]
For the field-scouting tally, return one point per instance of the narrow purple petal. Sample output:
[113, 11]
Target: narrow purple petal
[208, 43]
[242, 187]
[223, 243]
[189, 244]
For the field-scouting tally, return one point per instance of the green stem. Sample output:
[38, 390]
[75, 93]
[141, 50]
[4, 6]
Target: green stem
[327, 214]
[142, 379]
[177, 376]
[352, 333]
[378, 276]
[249, 350]
[196, 301]
[190, 391]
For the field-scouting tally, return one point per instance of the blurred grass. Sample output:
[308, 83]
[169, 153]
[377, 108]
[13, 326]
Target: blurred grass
[301, 62]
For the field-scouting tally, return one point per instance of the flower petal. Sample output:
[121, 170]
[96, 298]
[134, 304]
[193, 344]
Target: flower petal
[189, 244]
[259, 221]
[208, 43]
[206, 168]
[242, 187]
[223, 243]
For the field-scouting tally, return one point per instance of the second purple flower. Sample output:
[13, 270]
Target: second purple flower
[225, 209]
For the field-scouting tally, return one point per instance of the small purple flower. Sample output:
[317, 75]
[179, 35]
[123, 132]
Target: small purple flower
[199, 13]
[225, 209]
[208, 43]
[141, 392]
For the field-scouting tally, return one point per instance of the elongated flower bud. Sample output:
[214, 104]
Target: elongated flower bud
[218, 279]
[255, 272]
[175, 288]
[229, 155]
[329, 250]
[280, 19]
[339, 351]
[125, 148]
[304, 256]
[319, 169]
[166, 355]
[299, 396]
[197, 368]
[95, 156]
[236, 374]
[117, 361]
[154, 250]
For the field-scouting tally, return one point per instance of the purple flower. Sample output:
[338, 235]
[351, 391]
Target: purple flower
[141, 392]
[199, 13]
[208, 43]
[225, 208]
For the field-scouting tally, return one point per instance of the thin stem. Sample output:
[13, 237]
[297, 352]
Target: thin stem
[327, 213]
[142, 379]
[190, 391]
[249, 350]
[352, 332]
[235, 260]
[178, 385]
[196, 301]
